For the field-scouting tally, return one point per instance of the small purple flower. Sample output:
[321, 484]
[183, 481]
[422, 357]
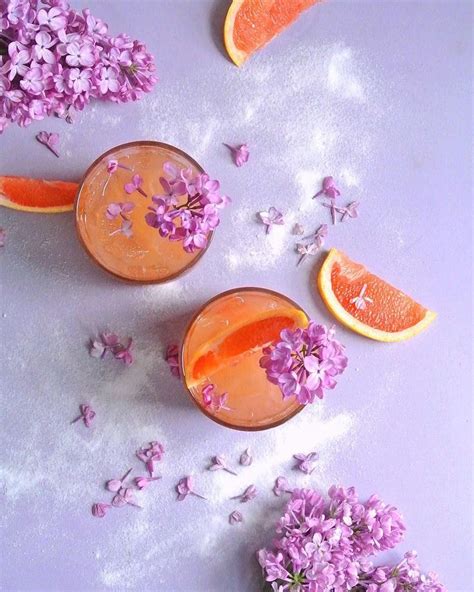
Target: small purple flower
[249, 494]
[115, 485]
[361, 300]
[246, 458]
[150, 454]
[329, 189]
[78, 54]
[87, 415]
[49, 140]
[235, 517]
[273, 216]
[135, 185]
[142, 482]
[281, 486]
[54, 18]
[108, 80]
[219, 463]
[185, 488]
[305, 362]
[125, 496]
[99, 510]
[212, 400]
[352, 210]
[240, 154]
[125, 229]
[42, 50]
[116, 209]
[306, 462]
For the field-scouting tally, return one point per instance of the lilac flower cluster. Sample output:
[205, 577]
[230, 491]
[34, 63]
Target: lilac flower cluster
[305, 362]
[55, 60]
[192, 221]
[323, 546]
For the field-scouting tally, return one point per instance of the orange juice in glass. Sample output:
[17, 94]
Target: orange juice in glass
[111, 208]
[220, 357]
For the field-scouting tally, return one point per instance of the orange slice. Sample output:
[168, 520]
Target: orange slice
[37, 195]
[227, 347]
[251, 24]
[367, 304]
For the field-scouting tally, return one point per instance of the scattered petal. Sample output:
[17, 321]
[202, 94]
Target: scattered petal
[49, 140]
[99, 510]
[219, 463]
[172, 359]
[329, 189]
[235, 517]
[246, 458]
[240, 154]
[115, 485]
[306, 462]
[351, 210]
[149, 454]
[271, 217]
[298, 229]
[109, 342]
[87, 415]
[281, 486]
[142, 482]
[185, 488]
[135, 185]
[249, 494]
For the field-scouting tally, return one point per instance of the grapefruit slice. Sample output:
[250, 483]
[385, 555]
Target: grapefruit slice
[367, 304]
[251, 24]
[37, 195]
[239, 340]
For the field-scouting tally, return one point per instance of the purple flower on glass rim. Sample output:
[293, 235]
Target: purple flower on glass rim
[271, 217]
[99, 510]
[329, 189]
[235, 517]
[304, 363]
[240, 154]
[306, 462]
[212, 400]
[87, 415]
[185, 488]
[249, 494]
[125, 496]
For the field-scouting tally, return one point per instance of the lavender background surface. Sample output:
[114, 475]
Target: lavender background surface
[376, 94]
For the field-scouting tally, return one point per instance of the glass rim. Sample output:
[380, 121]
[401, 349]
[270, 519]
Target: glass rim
[181, 359]
[110, 151]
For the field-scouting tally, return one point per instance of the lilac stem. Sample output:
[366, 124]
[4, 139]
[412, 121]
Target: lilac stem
[105, 184]
[126, 475]
[229, 471]
[141, 192]
[198, 495]
[77, 419]
[55, 152]
[269, 226]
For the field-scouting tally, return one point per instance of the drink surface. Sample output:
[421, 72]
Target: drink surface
[252, 401]
[145, 255]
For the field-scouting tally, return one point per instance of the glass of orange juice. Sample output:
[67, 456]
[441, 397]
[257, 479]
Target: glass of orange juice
[220, 357]
[112, 205]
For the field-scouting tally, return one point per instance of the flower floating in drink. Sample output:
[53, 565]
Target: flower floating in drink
[251, 359]
[146, 211]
